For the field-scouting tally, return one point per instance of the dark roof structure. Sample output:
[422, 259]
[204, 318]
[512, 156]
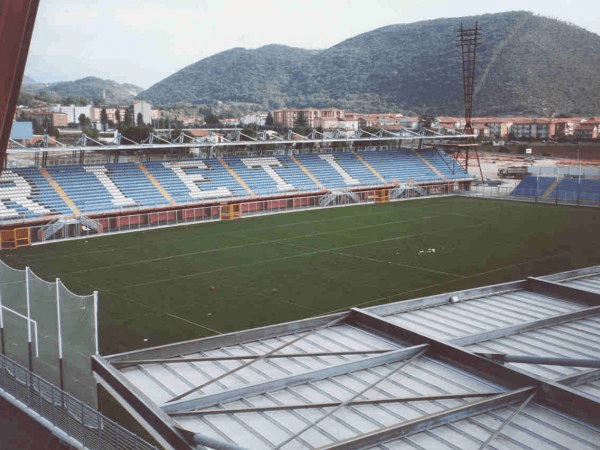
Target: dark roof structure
[515, 365]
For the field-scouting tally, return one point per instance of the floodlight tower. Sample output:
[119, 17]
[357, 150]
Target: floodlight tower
[468, 40]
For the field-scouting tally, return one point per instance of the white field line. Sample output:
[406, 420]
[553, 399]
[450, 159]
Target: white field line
[54, 253]
[284, 258]
[475, 275]
[366, 258]
[259, 242]
[155, 310]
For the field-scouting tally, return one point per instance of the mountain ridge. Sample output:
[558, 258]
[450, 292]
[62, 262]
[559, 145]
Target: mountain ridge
[90, 87]
[527, 64]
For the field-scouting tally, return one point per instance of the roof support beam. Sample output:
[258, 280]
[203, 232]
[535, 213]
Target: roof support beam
[442, 299]
[587, 376]
[502, 358]
[527, 326]
[439, 349]
[571, 274]
[507, 421]
[556, 395]
[272, 142]
[307, 377]
[355, 396]
[140, 362]
[380, 401]
[224, 340]
[433, 420]
[553, 289]
[259, 358]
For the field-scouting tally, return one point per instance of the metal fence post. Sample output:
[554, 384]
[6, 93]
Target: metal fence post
[28, 318]
[2, 325]
[60, 349]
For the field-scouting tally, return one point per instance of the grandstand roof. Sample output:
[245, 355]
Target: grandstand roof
[511, 365]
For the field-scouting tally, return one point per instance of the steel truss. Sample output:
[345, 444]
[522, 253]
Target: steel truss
[155, 142]
[468, 40]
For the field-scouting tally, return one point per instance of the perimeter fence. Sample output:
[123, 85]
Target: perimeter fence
[50, 330]
[565, 198]
[156, 219]
[74, 418]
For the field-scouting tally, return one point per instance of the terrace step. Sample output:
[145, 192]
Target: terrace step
[59, 190]
[237, 177]
[431, 166]
[306, 171]
[370, 167]
[550, 189]
[155, 182]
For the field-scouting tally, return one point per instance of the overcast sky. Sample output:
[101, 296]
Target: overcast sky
[144, 41]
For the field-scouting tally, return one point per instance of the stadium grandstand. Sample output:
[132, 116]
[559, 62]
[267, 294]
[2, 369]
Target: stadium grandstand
[68, 200]
[509, 365]
[566, 185]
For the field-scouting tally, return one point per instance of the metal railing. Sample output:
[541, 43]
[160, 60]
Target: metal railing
[258, 207]
[72, 417]
[564, 198]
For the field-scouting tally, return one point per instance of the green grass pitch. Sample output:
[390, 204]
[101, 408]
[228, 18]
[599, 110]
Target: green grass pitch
[157, 286]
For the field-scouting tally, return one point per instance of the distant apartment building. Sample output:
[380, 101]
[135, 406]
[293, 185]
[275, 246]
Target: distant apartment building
[310, 117]
[73, 112]
[589, 129]
[338, 124]
[258, 119]
[144, 108]
[586, 131]
[529, 128]
[111, 114]
[203, 135]
[45, 118]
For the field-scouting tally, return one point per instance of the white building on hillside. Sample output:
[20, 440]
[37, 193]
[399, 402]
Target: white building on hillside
[141, 106]
[73, 112]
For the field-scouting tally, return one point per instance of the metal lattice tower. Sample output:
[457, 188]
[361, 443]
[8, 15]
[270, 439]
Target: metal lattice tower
[468, 40]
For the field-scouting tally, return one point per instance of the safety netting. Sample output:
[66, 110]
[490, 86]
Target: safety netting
[49, 329]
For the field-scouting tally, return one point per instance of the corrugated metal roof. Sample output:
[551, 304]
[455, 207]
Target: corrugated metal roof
[402, 375]
[169, 379]
[586, 283]
[471, 316]
[536, 427]
[574, 339]
[266, 430]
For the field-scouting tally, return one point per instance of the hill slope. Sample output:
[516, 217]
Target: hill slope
[90, 88]
[526, 64]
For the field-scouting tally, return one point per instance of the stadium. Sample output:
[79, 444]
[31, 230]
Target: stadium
[296, 295]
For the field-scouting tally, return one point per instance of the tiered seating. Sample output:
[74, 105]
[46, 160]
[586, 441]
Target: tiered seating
[444, 163]
[133, 183]
[103, 188]
[533, 186]
[271, 175]
[357, 169]
[216, 182]
[85, 190]
[400, 165]
[25, 194]
[590, 190]
[323, 167]
[293, 174]
[575, 188]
